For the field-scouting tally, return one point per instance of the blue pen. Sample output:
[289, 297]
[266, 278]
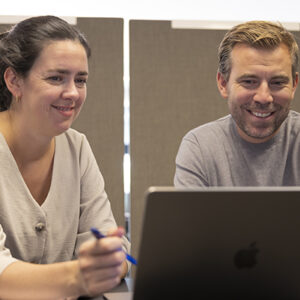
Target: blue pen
[98, 235]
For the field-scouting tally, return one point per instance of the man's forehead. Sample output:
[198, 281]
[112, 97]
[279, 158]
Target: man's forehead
[246, 53]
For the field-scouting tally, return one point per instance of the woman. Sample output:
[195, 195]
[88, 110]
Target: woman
[51, 190]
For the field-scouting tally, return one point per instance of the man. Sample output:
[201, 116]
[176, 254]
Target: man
[258, 144]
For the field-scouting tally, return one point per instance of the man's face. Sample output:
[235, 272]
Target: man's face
[259, 90]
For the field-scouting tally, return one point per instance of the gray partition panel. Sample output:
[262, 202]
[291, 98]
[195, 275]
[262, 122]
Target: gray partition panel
[4, 27]
[172, 90]
[101, 118]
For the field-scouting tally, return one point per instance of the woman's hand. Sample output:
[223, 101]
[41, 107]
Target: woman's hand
[101, 263]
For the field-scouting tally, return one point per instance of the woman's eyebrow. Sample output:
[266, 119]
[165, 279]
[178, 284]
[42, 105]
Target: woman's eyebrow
[65, 71]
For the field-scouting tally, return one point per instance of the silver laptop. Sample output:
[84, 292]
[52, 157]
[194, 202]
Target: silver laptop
[220, 243]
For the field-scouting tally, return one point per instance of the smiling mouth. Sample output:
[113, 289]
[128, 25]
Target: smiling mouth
[63, 108]
[260, 114]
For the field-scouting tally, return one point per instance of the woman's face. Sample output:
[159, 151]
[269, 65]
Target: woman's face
[53, 92]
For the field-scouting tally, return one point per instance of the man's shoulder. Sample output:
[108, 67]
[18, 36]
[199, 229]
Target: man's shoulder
[294, 116]
[211, 129]
[292, 123]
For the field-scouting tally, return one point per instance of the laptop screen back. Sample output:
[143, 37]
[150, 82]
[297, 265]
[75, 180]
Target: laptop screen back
[220, 243]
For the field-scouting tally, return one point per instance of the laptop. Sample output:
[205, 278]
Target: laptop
[219, 243]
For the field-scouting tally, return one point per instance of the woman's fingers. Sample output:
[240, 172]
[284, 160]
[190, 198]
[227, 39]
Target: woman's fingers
[101, 246]
[120, 231]
[100, 263]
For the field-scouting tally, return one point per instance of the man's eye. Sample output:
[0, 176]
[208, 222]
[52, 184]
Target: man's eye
[249, 82]
[55, 78]
[278, 83]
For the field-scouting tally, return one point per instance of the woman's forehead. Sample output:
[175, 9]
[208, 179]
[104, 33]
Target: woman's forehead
[62, 54]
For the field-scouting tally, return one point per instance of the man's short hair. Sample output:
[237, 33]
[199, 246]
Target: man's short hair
[259, 35]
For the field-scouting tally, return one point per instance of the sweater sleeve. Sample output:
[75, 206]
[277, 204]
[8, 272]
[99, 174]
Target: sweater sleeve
[95, 208]
[5, 255]
[190, 166]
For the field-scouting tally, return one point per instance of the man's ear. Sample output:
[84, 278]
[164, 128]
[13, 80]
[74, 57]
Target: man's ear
[295, 81]
[222, 85]
[13, 82]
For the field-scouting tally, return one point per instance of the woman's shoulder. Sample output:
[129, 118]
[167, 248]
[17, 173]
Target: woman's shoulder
[72, 142]
[71, 136]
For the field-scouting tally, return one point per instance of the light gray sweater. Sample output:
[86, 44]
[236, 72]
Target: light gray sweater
[76, 202]
[215, 155]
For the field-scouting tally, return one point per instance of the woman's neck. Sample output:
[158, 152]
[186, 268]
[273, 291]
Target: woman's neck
[24, 143]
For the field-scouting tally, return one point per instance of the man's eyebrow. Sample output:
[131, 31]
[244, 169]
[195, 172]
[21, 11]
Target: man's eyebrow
[282, 77]
[249, 76]
[64, 71]
[246, 76]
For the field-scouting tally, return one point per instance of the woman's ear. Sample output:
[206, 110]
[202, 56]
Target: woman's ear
[13, 82]
[222, 85]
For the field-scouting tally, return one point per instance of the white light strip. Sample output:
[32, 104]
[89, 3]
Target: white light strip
[16, 19]
[220, 25]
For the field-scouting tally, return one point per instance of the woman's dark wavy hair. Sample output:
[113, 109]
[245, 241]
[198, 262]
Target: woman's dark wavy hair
[20, 46]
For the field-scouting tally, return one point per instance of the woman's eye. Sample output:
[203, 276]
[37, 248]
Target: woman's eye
[81, 81]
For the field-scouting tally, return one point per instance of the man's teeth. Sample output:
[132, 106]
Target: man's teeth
[261, 115]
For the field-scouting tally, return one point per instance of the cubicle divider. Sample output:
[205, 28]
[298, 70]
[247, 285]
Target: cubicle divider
[172, 90]
[101, 118]
[5, 27]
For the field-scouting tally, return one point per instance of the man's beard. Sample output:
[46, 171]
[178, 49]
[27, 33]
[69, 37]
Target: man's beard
[260, 131]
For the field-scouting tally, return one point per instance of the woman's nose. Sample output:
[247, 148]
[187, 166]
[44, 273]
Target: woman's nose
[71, 91]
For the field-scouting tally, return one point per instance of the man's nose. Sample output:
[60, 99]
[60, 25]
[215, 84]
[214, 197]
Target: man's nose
[263, 93]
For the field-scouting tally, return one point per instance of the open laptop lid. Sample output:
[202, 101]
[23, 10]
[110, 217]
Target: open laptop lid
[220, 243]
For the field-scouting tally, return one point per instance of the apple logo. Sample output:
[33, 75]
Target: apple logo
[246, 258]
